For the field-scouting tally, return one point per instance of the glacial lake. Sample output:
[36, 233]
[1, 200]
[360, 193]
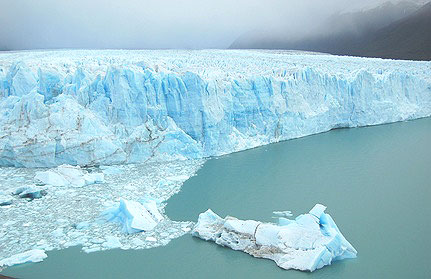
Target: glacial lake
[376, 182]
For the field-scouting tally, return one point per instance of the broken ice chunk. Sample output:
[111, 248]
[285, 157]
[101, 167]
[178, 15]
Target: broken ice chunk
[151, 239]
[83, 225]
[307, 243]
[134, 216]
[111, 170]
[112, 242]
[32, 256]
[282, 213]
[29, 192]
[5, 200]
[66, 175]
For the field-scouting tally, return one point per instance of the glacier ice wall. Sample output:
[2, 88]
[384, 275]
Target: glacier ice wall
[110, 107]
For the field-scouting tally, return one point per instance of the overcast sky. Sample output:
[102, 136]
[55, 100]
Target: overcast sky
[28, 24]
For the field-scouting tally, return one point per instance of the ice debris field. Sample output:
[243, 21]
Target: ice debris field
[124, 210]
[74, 114]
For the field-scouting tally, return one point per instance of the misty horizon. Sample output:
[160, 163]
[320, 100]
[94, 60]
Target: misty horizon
[134, 24]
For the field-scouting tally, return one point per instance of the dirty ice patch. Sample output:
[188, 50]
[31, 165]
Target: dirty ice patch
[67, 216]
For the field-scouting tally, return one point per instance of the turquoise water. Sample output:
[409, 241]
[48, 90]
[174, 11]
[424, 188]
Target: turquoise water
[376, 182]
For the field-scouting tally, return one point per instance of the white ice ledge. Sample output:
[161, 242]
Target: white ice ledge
[309, 242]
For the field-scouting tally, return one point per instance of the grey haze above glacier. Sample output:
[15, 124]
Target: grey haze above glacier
[87, 107]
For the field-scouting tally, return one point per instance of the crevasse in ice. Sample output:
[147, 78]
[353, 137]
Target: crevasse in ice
[109, 107]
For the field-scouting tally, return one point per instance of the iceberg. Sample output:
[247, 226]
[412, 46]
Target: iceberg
[134, 216]
[5, 200]
[309, 242]
[66, 175]
[31, 256]
[30, 192]
[105, 107]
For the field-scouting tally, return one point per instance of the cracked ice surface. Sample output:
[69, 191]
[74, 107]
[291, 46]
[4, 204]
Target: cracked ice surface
[68, 216]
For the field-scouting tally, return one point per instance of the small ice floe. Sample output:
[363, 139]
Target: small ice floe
[151, 239]
[31, 256]
[137, 242]
[29, 192]
[83, 225]
[134, 216]
[5, 200]
[58, 232]
[178, 177]
[286, 213]
[111, 170]
[66, 175]
[112, 242]
[307, 243]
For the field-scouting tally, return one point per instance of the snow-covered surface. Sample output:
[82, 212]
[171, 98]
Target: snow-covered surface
[93, 107]
[134, 216]
[68, 216]
[66, 175]
[31, 256]
[307, 243]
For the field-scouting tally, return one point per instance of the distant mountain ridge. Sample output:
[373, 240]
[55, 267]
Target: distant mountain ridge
[399, 31]
[409, 38]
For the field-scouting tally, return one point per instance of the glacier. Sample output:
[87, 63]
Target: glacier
[80, 112]
[105, 107]
[309, 242]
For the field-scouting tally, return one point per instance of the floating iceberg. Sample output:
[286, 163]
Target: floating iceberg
[134, 216]
[31, 256]
[307, 243]
[66, 175]
[108, 107]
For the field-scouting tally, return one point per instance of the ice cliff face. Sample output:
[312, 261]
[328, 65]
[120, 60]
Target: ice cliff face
[109, 107]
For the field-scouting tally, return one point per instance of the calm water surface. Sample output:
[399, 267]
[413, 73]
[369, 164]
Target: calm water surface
[376, 182]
